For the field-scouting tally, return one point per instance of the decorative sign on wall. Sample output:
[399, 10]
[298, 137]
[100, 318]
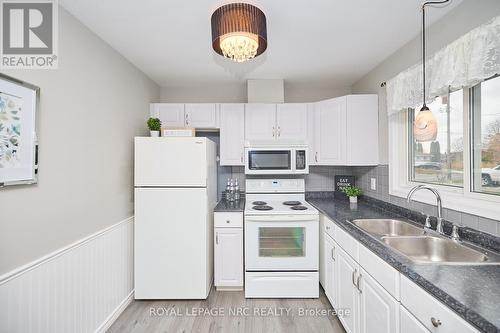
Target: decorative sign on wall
[18, 143]
[341, 182]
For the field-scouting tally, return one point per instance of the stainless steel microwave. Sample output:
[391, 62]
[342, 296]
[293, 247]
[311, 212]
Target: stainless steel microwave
[276, 159]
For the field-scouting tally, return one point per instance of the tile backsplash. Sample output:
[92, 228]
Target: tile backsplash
[321, 178]
[381, 174]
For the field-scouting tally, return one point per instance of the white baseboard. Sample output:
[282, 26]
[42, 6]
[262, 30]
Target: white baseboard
[82, 287]
[116, 313]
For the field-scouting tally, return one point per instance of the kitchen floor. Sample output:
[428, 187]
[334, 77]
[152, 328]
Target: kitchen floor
[262, 315]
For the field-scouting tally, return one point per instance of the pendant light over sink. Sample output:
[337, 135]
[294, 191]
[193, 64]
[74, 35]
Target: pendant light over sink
[239, 31]
[425, 126]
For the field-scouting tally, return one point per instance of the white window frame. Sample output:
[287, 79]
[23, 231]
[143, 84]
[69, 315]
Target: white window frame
[460, 199]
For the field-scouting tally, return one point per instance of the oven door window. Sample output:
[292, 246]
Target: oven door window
[269, 160]
[282, 241]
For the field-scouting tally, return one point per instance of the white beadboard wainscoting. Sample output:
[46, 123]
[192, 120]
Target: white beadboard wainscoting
[80, 288]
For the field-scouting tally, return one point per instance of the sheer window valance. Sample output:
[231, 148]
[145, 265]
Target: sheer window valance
[465, 62]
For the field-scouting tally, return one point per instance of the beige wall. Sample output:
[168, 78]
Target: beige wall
[90, 110]
[237, 93]
[468, 15]
[214, 93]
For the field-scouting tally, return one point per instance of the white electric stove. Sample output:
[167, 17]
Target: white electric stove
[281, 240]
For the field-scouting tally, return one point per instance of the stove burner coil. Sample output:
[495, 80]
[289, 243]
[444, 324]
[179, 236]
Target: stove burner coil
[298, 207]
[259, 203]
[292, 203]
[262, 207]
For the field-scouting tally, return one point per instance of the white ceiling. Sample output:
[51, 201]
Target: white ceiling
[308, 40]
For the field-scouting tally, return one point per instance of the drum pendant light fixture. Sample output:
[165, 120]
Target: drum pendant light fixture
[425, 125]
[239, 31]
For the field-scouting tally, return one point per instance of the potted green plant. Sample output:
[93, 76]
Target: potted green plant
[353, 193]
[154, 125]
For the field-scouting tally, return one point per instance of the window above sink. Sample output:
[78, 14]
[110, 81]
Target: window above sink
[463, 162]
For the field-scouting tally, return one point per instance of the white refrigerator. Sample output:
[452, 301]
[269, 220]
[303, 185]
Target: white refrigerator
[175, 193]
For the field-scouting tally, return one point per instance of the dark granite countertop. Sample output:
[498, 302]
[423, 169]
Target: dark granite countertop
[473, 292]
[230, 206]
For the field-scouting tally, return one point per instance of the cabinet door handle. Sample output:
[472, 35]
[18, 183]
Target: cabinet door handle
[333, 253]
[316, 156]
[242, 157]
[187, 119]
[357, 282]
[354, 273]
[435, 322]
[279, 131]
[274, 132]
[216, 238]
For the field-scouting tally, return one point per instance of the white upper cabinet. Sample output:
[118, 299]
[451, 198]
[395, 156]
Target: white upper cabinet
[260, 122]
[201, 115]
[232, 134]
[171, 115]
[330, 132]
[311, 134]
[362, 130]
[339, 131]
[291, 122]
[344, 131]
[281, 122]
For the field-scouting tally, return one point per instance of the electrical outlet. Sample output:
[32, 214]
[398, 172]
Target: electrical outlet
[373, 184]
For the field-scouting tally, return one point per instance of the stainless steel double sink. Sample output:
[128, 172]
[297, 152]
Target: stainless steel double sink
[421, 247]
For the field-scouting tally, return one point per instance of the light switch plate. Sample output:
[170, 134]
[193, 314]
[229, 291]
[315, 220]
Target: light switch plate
[373, 184]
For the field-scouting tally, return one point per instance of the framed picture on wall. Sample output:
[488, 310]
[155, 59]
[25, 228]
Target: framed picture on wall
[18, 138]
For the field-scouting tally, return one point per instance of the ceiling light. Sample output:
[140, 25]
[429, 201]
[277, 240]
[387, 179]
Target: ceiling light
[239, 31]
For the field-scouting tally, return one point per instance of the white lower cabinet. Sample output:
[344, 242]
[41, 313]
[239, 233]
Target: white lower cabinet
[379, 299]
[330, 278]
[326, 230]
[378, 310]
[433, 314]
[410, 324]
[228, 251]
[348, 293]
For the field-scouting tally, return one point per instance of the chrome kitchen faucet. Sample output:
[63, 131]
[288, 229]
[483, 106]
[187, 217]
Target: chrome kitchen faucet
[439, 227]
